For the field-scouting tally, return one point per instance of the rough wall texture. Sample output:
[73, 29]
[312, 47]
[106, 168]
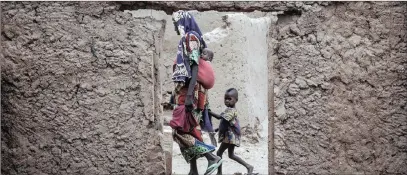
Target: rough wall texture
[340, 87]
[80, 91]
[242, 6]
[241, 62]
[341, 90]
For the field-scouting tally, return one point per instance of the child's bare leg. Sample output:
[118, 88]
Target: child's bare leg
[231, 151]
[222, 148]
[193, 167]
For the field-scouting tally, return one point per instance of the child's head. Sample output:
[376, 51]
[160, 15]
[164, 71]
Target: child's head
[207, 54]
[231, 97]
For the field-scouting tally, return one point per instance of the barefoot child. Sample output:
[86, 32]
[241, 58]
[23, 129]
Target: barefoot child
[229, 130]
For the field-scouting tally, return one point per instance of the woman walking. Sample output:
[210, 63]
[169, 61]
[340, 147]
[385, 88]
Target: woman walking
[186, 130]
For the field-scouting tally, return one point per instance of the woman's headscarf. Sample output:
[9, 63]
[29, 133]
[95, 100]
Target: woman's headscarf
[185, 22]
[186, 25]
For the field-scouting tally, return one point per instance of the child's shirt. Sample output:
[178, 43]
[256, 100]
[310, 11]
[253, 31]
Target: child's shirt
[229, 129]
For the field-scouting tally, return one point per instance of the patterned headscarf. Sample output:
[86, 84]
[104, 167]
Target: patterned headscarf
[185, 24]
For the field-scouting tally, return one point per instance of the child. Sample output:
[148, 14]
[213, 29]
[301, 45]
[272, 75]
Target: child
[206, 122]
[207, 55]
[229, 130]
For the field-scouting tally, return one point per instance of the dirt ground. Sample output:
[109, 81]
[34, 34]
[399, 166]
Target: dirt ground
[255, 154]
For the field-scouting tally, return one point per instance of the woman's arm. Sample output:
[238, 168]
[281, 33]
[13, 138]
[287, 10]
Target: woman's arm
[191, 87]
[193, 54]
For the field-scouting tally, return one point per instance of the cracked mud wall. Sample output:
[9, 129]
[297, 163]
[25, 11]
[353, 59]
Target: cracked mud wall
[340, 87]
[80, 90]
[341, 90]
[240, 47]
[223, 6]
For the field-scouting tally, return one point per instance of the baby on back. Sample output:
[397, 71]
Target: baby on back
[207, 55]
[206, 75]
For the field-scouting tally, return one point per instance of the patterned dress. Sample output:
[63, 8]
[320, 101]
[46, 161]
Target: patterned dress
[190, 146]
[231, 130]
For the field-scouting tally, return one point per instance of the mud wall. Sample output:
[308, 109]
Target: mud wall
[341, 90]
[225, 6]
[340, 87]
[241, 50]
[80, 90]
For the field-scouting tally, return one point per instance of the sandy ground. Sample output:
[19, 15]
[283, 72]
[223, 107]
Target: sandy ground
[254, 154]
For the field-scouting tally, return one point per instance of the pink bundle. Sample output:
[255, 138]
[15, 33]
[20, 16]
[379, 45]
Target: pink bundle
[206, 75]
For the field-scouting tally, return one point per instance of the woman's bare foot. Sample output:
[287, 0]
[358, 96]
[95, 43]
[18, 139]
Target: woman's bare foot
[214, 160]
[213, 164]
[250, 169]
[192, 173]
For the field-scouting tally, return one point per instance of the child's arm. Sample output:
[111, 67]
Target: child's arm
[217, 116]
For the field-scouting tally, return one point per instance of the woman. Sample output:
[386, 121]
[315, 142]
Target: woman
[186, 93]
